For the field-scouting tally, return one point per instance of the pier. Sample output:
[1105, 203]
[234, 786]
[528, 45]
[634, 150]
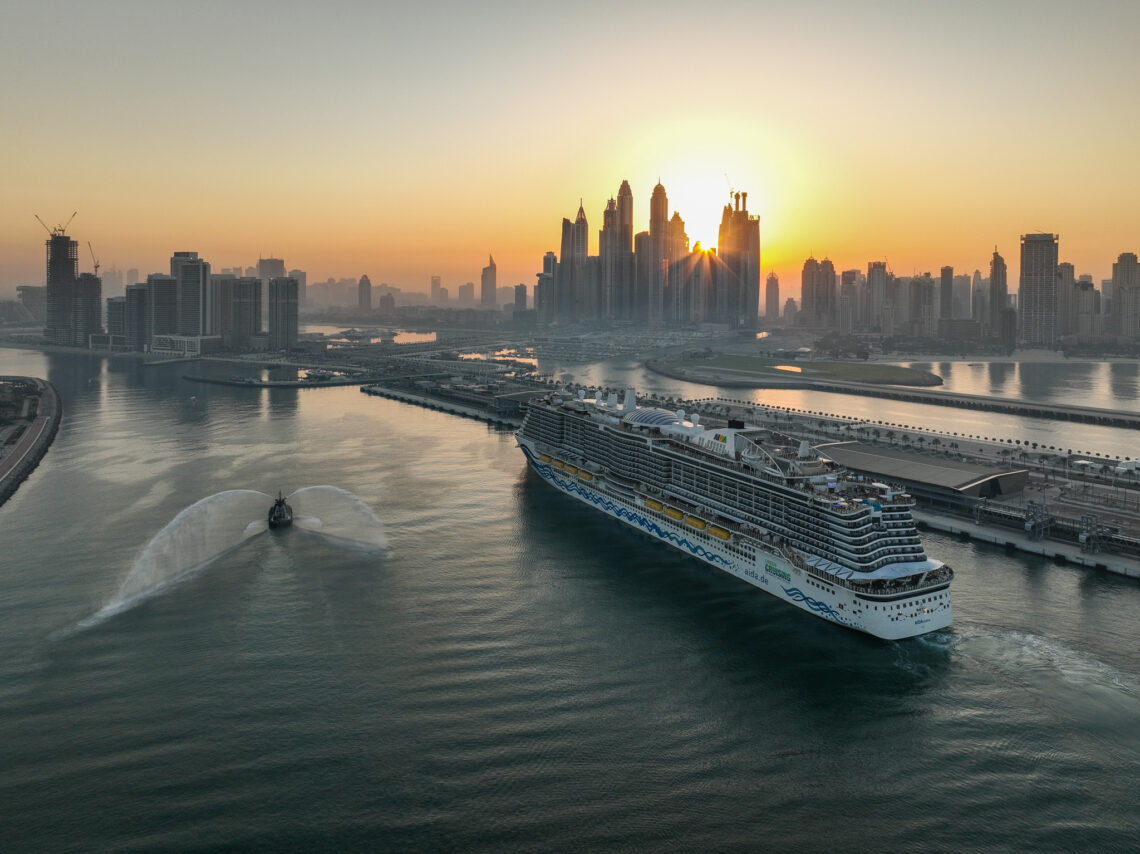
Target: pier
[442, 405]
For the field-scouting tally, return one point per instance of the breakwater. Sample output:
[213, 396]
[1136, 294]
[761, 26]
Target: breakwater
[1052, 411]
[243, 382]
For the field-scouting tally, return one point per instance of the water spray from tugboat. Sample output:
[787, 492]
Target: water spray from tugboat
[220, 523]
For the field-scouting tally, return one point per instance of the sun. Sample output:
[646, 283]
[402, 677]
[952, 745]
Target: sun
[700, 201]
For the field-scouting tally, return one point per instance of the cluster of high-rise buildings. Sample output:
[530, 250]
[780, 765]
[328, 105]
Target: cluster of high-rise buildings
[188, 312]
[653, 278]
[1051, 305]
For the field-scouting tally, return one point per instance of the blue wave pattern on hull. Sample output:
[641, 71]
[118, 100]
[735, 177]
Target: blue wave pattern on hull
[821, 608]
[610, 507]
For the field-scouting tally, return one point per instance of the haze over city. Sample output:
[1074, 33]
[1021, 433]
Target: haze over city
[410, 142]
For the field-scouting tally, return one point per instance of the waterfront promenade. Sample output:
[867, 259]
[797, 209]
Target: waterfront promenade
[19, 459]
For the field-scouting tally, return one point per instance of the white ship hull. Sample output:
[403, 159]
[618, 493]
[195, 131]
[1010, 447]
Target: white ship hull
[759, 565]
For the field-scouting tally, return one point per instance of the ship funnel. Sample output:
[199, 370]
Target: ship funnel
[612, 402]
[629, 403]
[805, 451]
[681, 415]
[696, 418]
[581, 394]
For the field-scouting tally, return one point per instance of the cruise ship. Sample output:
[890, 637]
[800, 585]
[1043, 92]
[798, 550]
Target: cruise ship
[750, 501]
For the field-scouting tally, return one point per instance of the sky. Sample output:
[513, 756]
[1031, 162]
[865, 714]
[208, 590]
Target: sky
[410, 140]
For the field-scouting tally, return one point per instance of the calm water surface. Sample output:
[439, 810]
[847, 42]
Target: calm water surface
[514, 673]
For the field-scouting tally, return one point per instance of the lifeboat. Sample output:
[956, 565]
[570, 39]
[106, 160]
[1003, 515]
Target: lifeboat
[558, 464]
[719, 533]
[695, 522]
[674, 513]
[653, 504]
[585, 475]
[571, 469]
[545, 458]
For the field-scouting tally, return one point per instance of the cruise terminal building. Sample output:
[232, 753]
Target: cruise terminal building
[932, 478]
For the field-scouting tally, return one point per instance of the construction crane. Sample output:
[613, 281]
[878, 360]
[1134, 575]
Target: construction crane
[93, 258]
[59, 230]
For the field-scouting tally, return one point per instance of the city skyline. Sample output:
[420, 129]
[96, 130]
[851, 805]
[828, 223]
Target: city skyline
[383, 162]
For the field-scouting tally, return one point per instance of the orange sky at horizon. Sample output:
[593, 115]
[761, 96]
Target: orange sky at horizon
[355, 156]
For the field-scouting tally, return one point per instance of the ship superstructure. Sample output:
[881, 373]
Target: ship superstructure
[751, 501]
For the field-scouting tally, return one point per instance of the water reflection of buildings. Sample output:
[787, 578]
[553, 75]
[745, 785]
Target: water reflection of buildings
[1000, 374]
[1124, 380]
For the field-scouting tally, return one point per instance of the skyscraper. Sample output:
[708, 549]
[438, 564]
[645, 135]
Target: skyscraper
[1066, 297]
[117, 316]
[877, 285]
[267, 269]
[808, 275]
[270, 268]
[488, 283]
[738, 250]
[609, 259]
[520, 297]
[162, 304]
[435, 286]
[625, 217]
[87, 309]
[772, 300]
[137, 317]
[626, 273]
[192, 283]
[999, 295]
[1126, 296]
[364, 295]
[1037, 290]
[656, 260]
[676, 295]
[302, 286]
[282, 313]
[817, 293]
[946, 294]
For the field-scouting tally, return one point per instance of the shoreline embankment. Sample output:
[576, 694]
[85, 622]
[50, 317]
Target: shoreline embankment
[37, 437]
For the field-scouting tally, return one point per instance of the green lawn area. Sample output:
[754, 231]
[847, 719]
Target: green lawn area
[855, 372]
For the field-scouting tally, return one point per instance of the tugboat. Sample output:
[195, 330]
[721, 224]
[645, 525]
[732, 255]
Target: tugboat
[280, 514]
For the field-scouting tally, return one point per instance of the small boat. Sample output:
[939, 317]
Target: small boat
[719, 533]
[585, 475]
[571, 469]
[653, 504]
[674, 513]
[695, 522]
[558, 464]
[280, 514]
[544, 458]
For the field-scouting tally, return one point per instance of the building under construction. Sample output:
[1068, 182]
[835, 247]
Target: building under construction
[73, 302]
